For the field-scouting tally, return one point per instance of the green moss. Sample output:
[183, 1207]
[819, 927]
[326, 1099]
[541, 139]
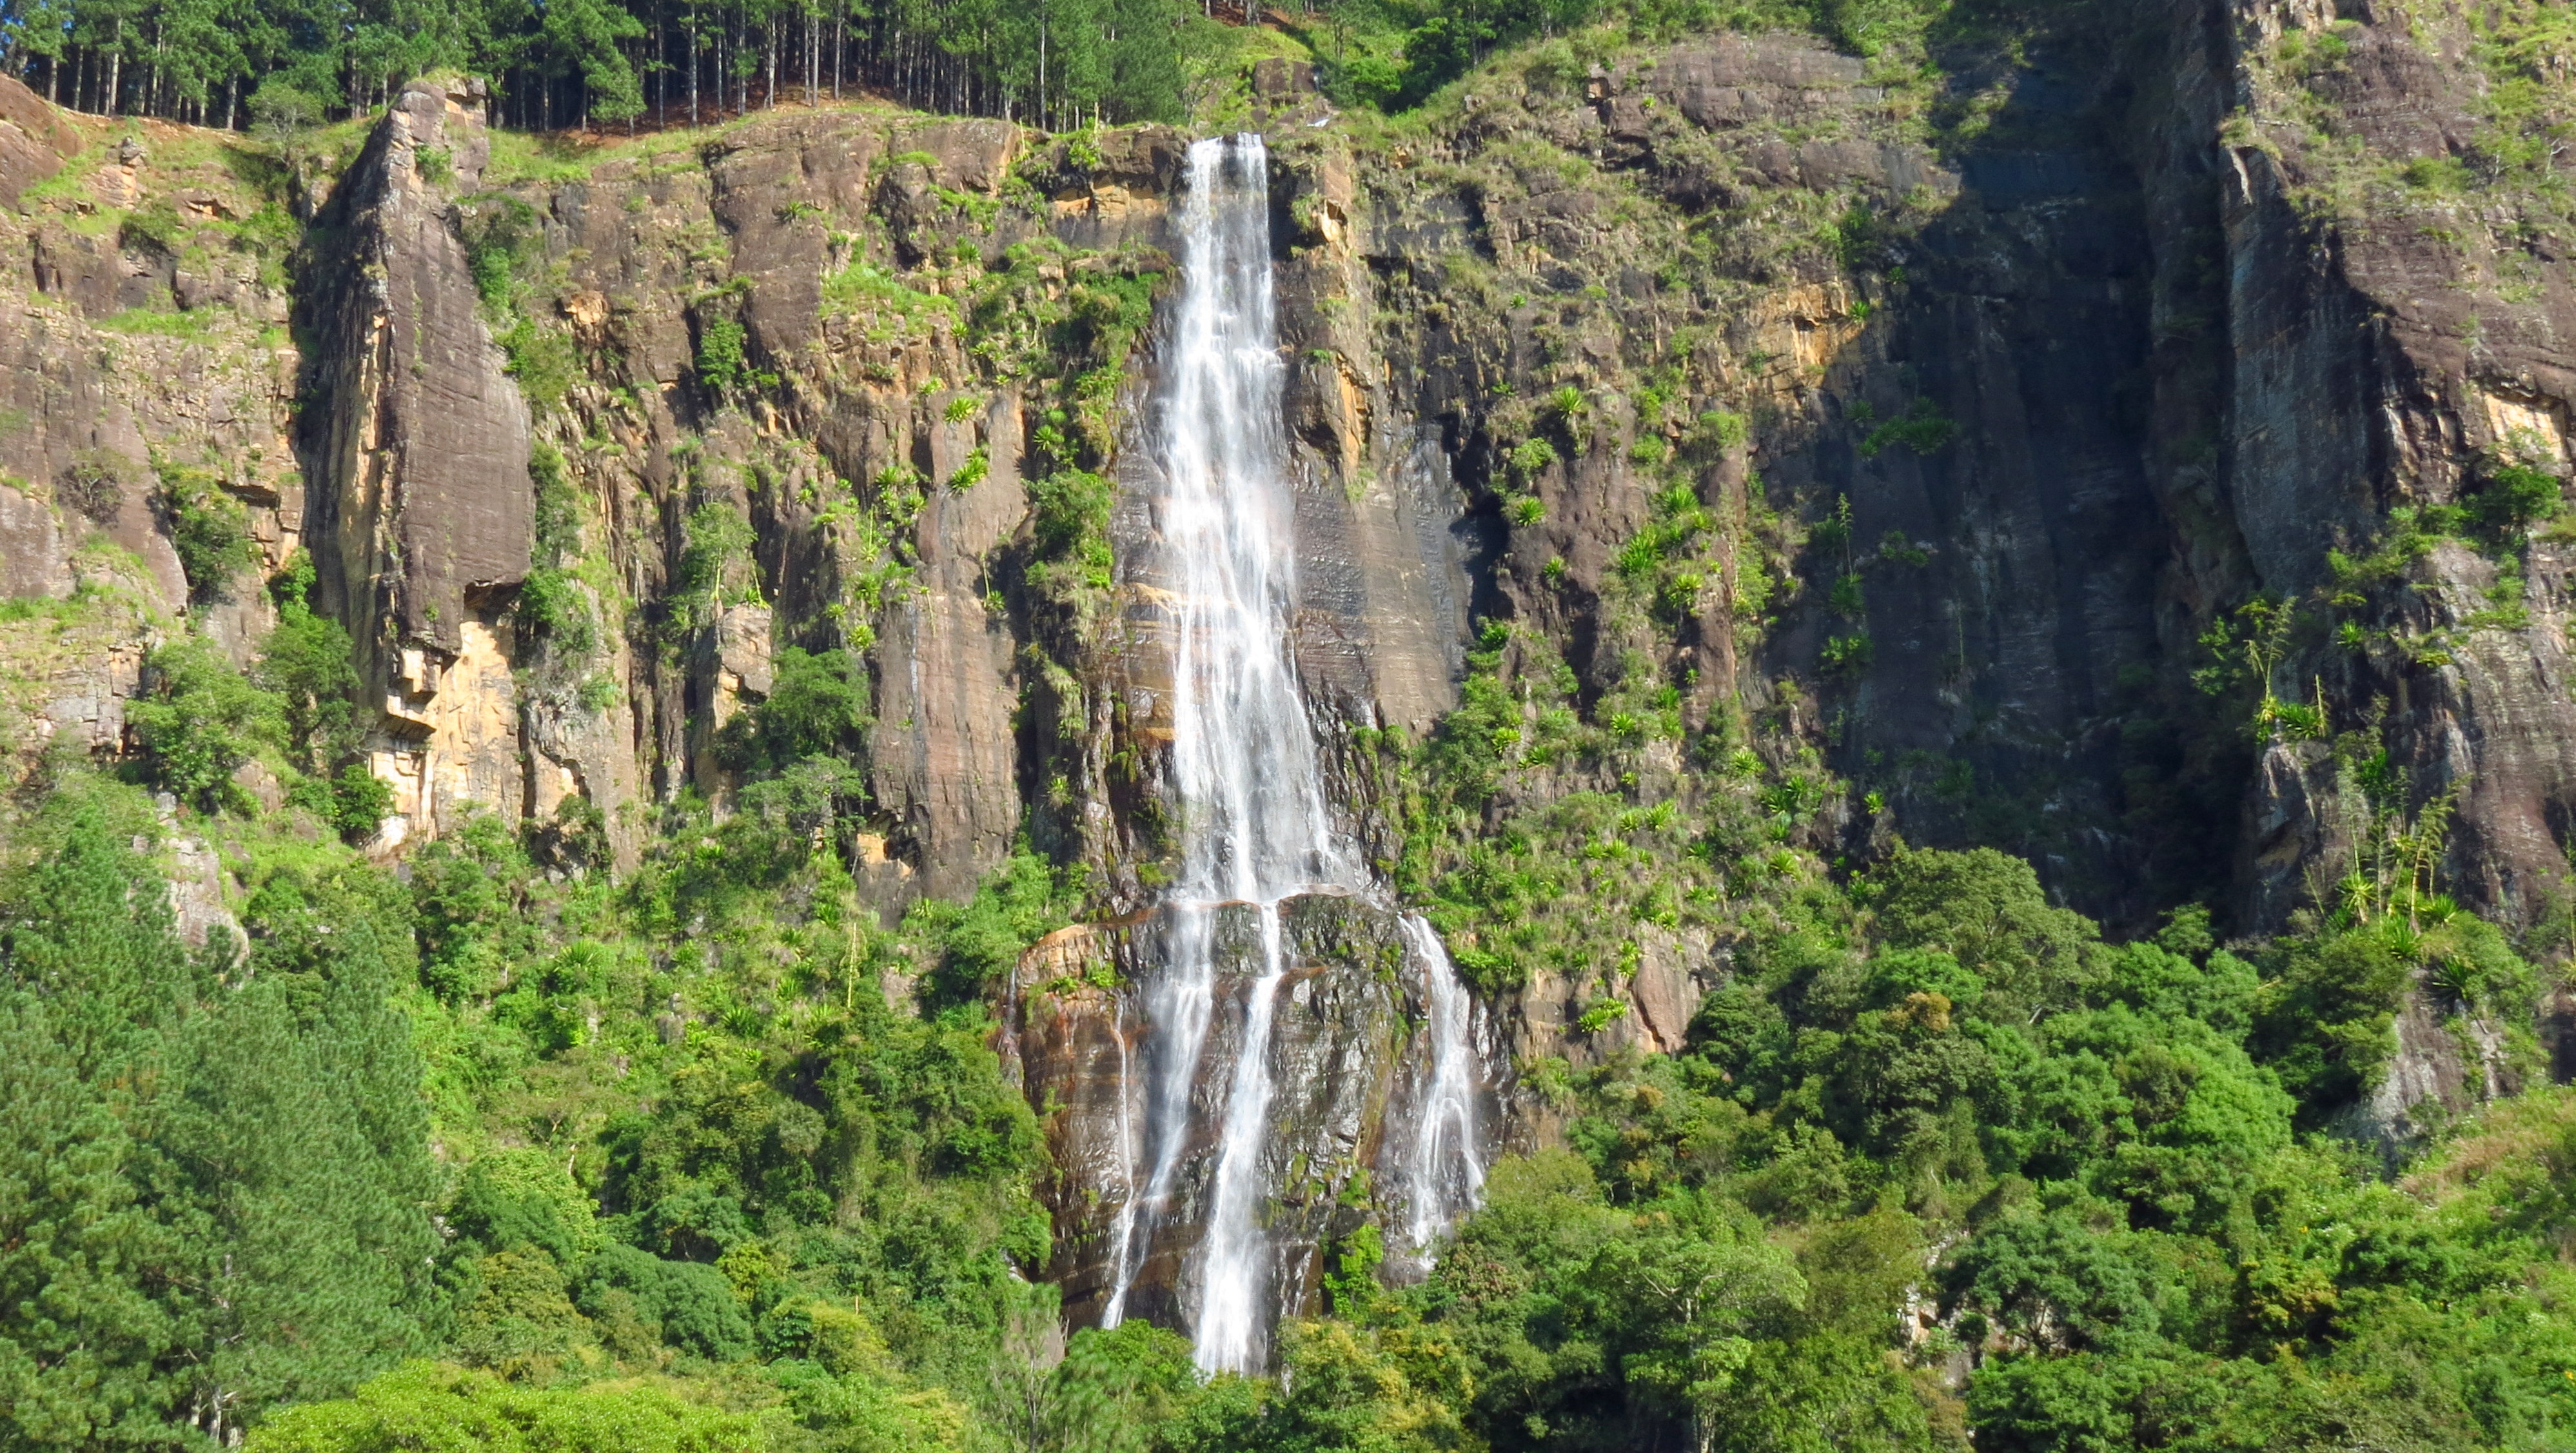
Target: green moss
[162, 322]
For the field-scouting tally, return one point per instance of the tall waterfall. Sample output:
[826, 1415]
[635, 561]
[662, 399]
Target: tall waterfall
[1254, 822]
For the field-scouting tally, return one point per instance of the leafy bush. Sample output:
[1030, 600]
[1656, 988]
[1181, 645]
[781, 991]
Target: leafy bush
[817, 706]
[469, 890]
[721, 362]
[2515, 497]
[360, 803]
[553, 608]
[156, 225]
[558, 508]
[1921, 429]
[208, 528]
[1069, 510]
[308, 662]
[197, 721]
[981, 940]
[689, 1301]
[426, 1405]
[542, 359]
[499, 235]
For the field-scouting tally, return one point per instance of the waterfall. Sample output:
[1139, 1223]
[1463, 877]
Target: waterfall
[1245, 776]
[1447, 1173]
[1123, 1229]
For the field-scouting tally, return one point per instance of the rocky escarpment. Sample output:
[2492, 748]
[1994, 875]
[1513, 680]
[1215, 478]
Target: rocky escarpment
[2393, 342]
[1991, 434]
[148, 379]
[871, 471]
[418, 443]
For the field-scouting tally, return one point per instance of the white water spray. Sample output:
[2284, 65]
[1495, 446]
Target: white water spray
[1123, 1230]
[1448, 1175]
[1255, 826]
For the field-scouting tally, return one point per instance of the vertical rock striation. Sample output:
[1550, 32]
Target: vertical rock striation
[418, 444]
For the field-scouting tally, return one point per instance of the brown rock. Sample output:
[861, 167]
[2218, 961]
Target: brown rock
[421, 518]
[34, 140]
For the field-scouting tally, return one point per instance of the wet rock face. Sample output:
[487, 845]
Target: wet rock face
[1347, 1060]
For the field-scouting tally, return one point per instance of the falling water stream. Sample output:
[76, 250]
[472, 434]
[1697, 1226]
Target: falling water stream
[1255, 824]
[1448, 1170]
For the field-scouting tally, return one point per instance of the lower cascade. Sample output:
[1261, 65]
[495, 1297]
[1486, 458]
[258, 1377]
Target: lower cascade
[1268, 883]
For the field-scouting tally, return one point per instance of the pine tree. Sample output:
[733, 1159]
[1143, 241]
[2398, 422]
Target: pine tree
[213, 1168]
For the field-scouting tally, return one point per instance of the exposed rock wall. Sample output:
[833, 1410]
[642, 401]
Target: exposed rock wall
[418, 442]
[131, 363]
[2390, 343]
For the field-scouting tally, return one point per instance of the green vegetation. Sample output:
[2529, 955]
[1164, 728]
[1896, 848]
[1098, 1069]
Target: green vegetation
[817, 706]
[1921, 429]
[721, 364]
[208, 528]
[219, 1166]
[286, 65]
[199, 721]
[886, 309]
[735, 1199]
[502, 251]
[2095, 1149]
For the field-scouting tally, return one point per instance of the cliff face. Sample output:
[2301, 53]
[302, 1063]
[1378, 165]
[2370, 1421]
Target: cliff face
[2392, 342]
[1818, 427]
[146, 365]
[418, 444]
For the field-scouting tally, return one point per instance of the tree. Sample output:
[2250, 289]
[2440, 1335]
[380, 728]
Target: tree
[198, 721]
[1681, 1305]
[224, 1161]
[585, 38]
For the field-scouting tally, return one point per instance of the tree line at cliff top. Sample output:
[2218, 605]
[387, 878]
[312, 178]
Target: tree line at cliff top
[566, 63]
